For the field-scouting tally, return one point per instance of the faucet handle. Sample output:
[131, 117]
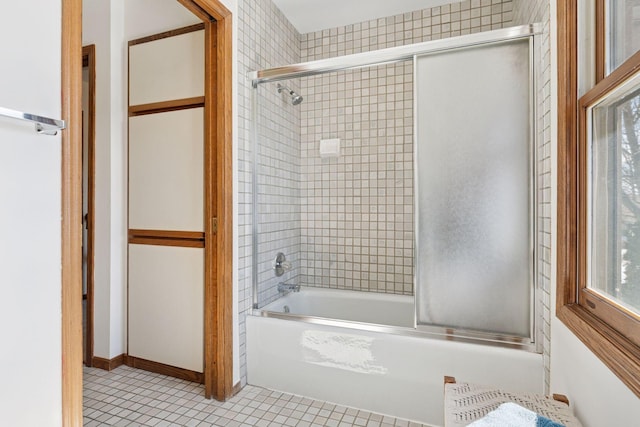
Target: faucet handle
[280, 264]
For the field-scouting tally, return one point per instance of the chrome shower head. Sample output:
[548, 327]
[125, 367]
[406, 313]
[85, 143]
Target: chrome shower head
[295, 98]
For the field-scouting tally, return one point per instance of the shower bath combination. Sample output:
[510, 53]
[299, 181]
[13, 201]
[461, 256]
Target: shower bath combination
[435, 262]
[462, 314]
[295, 98]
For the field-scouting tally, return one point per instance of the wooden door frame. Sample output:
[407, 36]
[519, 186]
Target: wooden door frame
[71, 223]
[89, 57]
[218, 292]
[218, 326]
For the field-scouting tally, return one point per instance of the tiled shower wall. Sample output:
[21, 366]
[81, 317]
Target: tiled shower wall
[266, 39]
[526, 12]
[357, 209]
[278, 172]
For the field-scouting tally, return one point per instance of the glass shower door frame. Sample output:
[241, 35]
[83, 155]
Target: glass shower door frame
[404, 53]
[532, 342]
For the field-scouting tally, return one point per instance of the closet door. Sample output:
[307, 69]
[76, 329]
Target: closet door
[166, 202]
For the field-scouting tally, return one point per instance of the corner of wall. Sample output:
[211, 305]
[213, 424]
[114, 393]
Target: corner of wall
[118, 238]
[96, 30]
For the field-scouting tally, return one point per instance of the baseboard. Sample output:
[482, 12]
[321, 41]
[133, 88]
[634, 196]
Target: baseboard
[236, 389]
[161, 368]
[108, 364]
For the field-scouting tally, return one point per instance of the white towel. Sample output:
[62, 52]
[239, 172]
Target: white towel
[508, 415]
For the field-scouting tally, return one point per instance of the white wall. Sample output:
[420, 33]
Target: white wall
[99, 20]
[597, 396]
[118, 256]
[30, 275]
[315, 15]
[147, 17]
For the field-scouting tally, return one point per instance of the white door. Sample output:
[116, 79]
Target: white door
[30, 207]
[166, 199]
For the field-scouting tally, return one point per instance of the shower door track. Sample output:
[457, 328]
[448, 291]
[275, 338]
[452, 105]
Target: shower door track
[390, 55]
[435, 332]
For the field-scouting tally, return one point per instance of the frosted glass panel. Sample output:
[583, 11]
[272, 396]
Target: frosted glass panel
[474, 254]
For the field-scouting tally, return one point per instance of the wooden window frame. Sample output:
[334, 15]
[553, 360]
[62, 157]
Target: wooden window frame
[603, 327]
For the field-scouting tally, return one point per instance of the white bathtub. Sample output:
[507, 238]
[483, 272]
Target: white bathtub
[364, 307]
[397, 372]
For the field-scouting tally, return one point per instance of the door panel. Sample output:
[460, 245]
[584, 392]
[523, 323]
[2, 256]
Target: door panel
[474, 248]
[166, 171]
[166, 201]
[166, 288]
[167, 69]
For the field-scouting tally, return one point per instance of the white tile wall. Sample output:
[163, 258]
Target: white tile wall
[266, 39]
[525, 12]
[278, 187]
[357, 210]
[471, 16]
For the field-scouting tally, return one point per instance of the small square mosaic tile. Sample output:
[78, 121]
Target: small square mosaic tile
[131, 397]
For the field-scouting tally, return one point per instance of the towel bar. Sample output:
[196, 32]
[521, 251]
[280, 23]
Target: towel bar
[44, 125]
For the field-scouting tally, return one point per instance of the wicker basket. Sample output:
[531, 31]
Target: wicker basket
[464, 403]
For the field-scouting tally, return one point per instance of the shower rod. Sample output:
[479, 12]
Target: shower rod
[391, 55]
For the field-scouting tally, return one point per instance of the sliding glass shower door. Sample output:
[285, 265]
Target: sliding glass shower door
[474, 189]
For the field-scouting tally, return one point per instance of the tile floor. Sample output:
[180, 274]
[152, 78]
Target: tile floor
[131, 397]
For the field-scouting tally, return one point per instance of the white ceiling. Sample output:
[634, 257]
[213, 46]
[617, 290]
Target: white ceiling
[313, 15]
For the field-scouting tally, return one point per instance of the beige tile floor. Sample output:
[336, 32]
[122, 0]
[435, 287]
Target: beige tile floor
[131, 397]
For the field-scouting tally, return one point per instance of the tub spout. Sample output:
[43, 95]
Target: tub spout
[286, 287]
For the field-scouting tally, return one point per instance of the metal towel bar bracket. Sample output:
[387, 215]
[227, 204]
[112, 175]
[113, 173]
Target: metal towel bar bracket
[43, 125]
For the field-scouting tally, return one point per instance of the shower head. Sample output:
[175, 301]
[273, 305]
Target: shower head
[295, 98]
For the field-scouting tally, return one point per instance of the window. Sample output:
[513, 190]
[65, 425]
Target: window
[622, 31]
[599, 186]
[613, 137]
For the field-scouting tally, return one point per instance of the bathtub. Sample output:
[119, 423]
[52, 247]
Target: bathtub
[352, 306]
[360, 349]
